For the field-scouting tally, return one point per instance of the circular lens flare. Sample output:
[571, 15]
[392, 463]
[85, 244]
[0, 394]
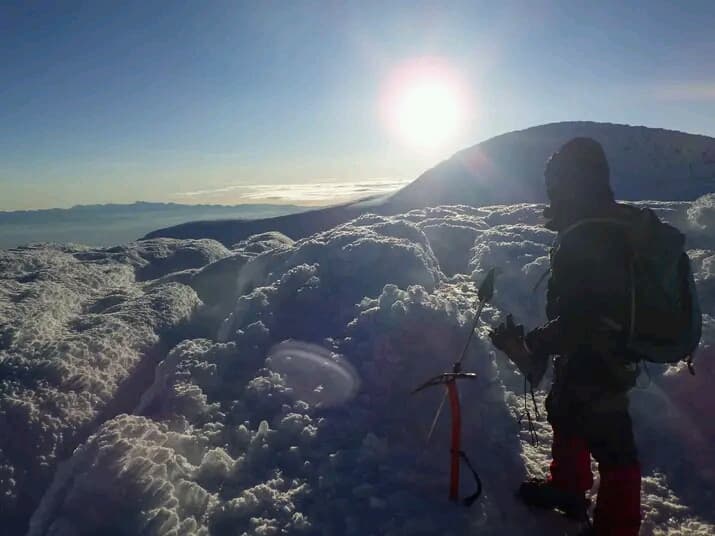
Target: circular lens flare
[315, 375]
[425, 104]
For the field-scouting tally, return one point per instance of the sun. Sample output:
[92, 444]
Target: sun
[424, 105]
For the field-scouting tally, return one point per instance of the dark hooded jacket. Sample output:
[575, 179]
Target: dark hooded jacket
[588, 299]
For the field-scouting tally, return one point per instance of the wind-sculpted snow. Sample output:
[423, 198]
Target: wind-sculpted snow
[160, 256]
[263, 242]
[309, 291]
[702, 213]
[520, 252]
[701, 222]
[233, 436]
[74, 327]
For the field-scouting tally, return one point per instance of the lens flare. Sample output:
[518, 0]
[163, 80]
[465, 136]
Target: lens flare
[315, 375]
[425, 104]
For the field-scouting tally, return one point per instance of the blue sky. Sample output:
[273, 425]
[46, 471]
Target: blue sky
[121, 101]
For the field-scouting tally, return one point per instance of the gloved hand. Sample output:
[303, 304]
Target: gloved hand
[509, 338]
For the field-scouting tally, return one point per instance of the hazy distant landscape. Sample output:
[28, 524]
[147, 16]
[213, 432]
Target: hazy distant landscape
[107, 225]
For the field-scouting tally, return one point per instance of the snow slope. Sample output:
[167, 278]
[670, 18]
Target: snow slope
[231, 435]
[646, 163]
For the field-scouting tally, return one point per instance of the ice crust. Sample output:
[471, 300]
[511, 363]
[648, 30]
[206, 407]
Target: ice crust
[218, 442]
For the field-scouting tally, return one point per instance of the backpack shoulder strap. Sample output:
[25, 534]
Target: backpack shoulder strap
[622, 214]
[591, 221]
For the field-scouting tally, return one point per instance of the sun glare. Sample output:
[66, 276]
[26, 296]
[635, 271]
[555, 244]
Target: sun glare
[425, 105]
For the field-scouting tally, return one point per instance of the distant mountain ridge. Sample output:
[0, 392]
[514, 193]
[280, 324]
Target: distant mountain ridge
[646, 164]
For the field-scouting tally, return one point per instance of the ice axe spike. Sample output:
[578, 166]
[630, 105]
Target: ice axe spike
[486, 289]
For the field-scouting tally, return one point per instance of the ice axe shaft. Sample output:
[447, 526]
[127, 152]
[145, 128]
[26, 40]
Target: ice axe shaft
[484, 294]
[456, 441]
[435, 419]
[449, 380]
[471, 333]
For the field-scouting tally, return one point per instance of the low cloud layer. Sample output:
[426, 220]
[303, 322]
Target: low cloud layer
[314, 193]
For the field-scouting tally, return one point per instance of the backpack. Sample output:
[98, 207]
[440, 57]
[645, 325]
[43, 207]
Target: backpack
[665, 320]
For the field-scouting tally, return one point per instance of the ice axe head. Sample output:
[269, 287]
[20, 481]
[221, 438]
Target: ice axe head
[486, 289]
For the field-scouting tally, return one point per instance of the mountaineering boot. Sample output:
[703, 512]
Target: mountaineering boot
[569, 479]
[541, 493]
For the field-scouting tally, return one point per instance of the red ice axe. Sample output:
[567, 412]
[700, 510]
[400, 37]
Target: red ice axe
[449, 380]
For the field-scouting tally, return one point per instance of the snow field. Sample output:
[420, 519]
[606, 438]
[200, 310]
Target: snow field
[223, 441]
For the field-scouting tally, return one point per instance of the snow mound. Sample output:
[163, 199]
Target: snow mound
[521, 254]
[702, 213]
[701, 222]
[260, 243]
[451, 232]
[161, 256]
[310, 289]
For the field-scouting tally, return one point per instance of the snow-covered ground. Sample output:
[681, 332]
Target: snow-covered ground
[160, 363]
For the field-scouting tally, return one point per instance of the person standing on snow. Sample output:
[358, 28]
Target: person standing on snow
[588, 296]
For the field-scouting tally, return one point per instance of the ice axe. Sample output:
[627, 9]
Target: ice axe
[449, 380]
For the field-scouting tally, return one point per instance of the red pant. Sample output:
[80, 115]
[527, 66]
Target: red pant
[618, 505]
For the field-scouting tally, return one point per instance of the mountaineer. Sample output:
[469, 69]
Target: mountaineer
[620, 292]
